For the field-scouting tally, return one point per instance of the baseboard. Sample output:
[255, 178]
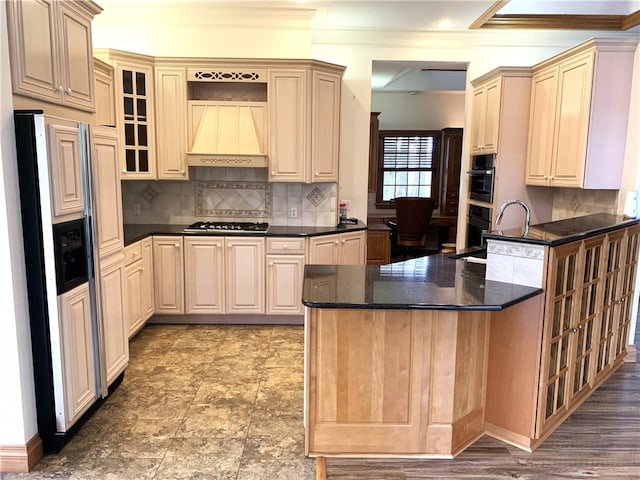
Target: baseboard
[20, 458]
[632, 354]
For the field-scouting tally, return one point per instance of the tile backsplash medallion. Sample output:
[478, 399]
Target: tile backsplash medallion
[229, 194]
[575, 202]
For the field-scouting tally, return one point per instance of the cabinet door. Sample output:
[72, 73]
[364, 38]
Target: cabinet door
[491, 122]
[284, 284]
[353, 248]
[65, 166]
[245, 277]
[289, 129]
[135, 121]
[478, 107]
[324, 250]
[204, 274]
[171, 123]
[78, 353]
[146, 289]
[561, 305]
[325, 126]
[107, 197]
[572, 121]
[104, 93]
[76, 52]
[34, 49]
[168, 274]
[628, 274]
[135, 315]
[378, 245]
[113, 316]
[541, 126]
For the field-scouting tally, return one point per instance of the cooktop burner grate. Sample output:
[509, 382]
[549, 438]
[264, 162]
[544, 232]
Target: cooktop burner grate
[216, 227]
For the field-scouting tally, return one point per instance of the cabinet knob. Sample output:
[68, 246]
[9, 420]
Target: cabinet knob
[60, 88]
[343, 241]
[284, 246]
[176, 245]
[69, 90]
[336, 242]
[272, 172]
[142, 269]
[271, 264]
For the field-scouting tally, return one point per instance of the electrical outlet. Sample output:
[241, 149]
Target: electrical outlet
[293, 212]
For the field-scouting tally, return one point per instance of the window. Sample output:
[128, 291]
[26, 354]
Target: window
[408, 165]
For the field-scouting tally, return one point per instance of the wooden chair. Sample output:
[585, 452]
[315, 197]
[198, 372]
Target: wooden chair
[413, 217]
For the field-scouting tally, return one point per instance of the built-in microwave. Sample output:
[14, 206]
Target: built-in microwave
[481, 177]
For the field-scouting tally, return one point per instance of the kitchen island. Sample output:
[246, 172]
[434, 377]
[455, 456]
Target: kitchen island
[421, 358]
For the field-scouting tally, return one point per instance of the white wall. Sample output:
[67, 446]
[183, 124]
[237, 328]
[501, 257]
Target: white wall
[17, 400]
[423, 111]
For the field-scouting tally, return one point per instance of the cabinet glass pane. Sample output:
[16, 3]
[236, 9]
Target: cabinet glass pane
[571, 272]
[560, 277]
[560, 396]
[141, 88]
[585, 370]
[142, 135]
[555, 326]
[131, 160]
[129, 134]
[593, 298]
[128, 107]
[142, 109]
[143, 161]
[550, 399]
[568, 303]
[588, 259]
[563, 352]
[127, 81]
[553, 360]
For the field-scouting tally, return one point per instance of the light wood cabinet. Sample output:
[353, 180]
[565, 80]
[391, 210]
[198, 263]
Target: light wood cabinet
[338, 249]
[106, 189]
[135, 112]
[139, 271]
[78, 353]
[105, 93]
[51, 51]
[204, 275]
[304, 124]
[65, 165]
[245, 276]
[578, 116]
[171, 123]
[285, 275]
[112, 294]
[485, 116]
[168, 274]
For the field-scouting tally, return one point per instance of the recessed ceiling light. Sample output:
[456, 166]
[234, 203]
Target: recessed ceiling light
[444, 23]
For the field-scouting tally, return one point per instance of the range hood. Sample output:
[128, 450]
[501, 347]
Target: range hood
[227, 134]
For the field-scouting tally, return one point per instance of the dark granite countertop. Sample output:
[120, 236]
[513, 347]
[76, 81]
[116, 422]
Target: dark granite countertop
[435, 282]
[135, 232]
[565, 231]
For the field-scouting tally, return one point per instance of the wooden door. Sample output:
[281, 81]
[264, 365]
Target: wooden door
[541, 126]
[171, 123]
[168, 274]
[107, 196]
[65, 169]
[324, 250]
[204, 274]
[289, 129]
[76, 57]
[245, 275]
[572, 121]
[284, 284]
[78, 353]
[325, 126]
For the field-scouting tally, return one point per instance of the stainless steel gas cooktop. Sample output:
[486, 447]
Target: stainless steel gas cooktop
[221, 227]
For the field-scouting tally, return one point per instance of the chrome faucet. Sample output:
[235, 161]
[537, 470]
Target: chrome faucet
[527, 214]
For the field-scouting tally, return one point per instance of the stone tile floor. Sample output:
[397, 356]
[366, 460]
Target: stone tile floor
[197, 402]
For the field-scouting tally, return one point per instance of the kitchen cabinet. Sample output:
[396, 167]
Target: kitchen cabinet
[245, 276]
[578, 116]
[107, 196]
[139, 272]
[65, 164]
[204, 275]
[451, 163]
[171, 123]
[168, 274]
[77, 353]
[50, 51]
[338, 249]
[378, 244]
[105, 93]
[374, 148]
[485, 116]
[135, 112]
[113, 301]
[304, 123]
[285, 275]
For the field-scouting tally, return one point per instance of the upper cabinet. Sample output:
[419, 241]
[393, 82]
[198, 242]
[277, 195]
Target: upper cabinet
[135, 112]
[486, 116]
[578, 116]
[105, 93]
[304, 123]
[51, 51]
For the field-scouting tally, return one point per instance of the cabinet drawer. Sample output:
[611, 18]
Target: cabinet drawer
[132, 253]
[285, 245]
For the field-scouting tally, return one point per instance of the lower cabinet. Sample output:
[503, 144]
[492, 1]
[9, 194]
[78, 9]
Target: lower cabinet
[77, 352]
[285, 274]
[204, 275]
[113, 315]
[139, 271]
[168, 276]
[338, 249]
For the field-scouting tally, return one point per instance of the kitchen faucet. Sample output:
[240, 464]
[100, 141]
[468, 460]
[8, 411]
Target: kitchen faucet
[527, 213]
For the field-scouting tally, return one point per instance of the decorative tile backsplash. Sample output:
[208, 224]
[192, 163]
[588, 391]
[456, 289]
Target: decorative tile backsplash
[575, 202]
[216, 193]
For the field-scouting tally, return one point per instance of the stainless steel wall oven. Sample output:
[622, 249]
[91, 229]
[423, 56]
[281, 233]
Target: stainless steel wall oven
[481, 177]
[479, 221]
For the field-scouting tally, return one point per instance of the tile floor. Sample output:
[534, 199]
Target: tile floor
[197, 402]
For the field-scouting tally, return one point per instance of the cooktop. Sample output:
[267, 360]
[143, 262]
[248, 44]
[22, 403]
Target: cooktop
[218, 227]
